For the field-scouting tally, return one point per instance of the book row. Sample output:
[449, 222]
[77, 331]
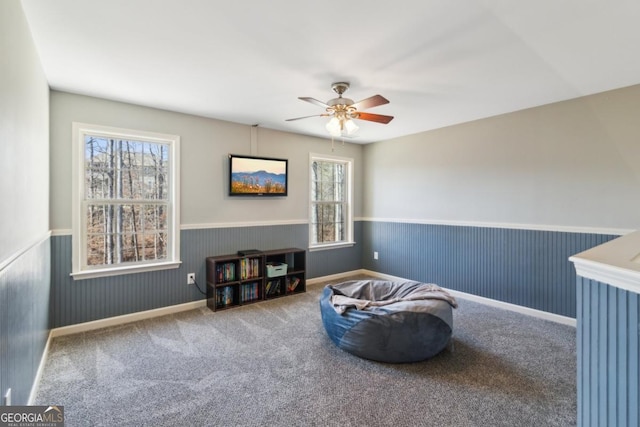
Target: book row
[249, 292]
[249, 268]
[273, 286]
[224, 296]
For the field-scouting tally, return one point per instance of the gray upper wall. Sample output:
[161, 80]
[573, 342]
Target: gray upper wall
[24, 136]
[570, 164]
[564, 165]
[205, 144]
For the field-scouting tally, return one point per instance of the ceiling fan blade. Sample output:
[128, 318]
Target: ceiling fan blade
[314, 101]
[306, 117]
[371, 102]
[378, 118]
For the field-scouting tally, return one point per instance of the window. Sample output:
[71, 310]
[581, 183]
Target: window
[331, 220]
[125, 207]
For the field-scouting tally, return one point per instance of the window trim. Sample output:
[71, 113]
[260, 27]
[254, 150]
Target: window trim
[349, 241]
[79, 269]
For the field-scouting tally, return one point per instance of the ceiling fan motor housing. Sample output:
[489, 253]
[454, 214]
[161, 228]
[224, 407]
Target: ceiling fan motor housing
[340, 88]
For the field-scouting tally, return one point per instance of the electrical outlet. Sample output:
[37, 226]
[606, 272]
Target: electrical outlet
[191, 279]
[375, 255]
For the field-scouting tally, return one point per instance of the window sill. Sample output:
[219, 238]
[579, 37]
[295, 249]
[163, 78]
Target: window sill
[117, 271]
[331, 246]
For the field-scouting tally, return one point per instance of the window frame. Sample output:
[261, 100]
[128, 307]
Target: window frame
[80, 269]
[349, 240]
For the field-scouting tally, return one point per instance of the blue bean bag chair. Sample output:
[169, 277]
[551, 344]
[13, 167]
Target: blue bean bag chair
[396, 322]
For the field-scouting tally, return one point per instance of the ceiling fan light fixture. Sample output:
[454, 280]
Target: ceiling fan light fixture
[334, 127]
[351, 127]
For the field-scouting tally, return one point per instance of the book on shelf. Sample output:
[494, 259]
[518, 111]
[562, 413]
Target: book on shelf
[224, 296]
[272, 287]
[249, 268]
[249, 292]
[293, 284]
[226, 272]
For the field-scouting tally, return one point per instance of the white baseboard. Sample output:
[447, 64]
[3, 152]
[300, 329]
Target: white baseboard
[570, 321]
[318, 280]
[126, 318]
[36, 381]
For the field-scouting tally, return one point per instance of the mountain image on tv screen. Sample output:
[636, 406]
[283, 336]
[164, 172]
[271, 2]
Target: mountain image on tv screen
[258, 182]
[258, 176]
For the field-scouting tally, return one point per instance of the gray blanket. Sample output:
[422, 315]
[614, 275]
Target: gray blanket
[362, 294]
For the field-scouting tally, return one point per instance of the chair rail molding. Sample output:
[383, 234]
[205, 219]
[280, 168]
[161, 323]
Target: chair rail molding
[616, 263]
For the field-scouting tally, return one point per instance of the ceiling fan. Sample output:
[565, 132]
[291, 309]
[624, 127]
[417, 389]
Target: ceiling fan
[343, 110]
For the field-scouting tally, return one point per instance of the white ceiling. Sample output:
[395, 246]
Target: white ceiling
[438, 62]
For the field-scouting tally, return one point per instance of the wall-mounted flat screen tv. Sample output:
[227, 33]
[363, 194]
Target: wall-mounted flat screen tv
[257, 176]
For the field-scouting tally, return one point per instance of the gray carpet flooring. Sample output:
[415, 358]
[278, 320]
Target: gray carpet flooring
[272, 364]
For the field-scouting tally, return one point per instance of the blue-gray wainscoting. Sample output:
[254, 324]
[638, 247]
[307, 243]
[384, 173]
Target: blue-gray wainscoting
[24, 319]
[524, 267]
[608, 355]
[529, 268]
[78, 301]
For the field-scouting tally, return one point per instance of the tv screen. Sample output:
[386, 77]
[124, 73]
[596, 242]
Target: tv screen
[257, 176]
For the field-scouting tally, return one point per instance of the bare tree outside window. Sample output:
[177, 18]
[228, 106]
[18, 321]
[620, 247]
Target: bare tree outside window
[329, 201]
[126, 199]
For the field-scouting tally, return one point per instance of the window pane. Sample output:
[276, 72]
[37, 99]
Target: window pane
[328, 222]
[155, 171]
[125, 169]
[130, 248]
[155, 247]
[328, 181]
[120, 233]
[155, 217]
[316, 188]
[329, 204]
[131, 219]
[316, 224]
[95, 250]
[160, 242]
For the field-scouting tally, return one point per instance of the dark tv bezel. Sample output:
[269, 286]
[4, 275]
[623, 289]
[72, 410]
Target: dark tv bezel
[257, 194]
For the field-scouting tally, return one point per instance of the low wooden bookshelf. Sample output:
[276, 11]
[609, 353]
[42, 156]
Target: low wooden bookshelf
[235, 280]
